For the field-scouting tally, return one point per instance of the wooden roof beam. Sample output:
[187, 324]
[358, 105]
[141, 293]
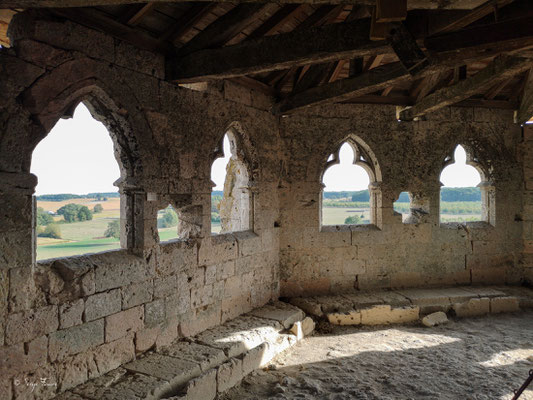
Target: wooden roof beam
[332, 42]
[499, 69]
[276, 21]
[187, 22]
[367, 82]
[525, 110]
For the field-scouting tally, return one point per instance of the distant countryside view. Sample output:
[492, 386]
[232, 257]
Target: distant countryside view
[457, 205]
[72, 224]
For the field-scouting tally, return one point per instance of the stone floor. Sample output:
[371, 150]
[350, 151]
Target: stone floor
[478, 358]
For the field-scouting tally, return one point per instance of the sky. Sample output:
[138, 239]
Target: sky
[348, 177]
[84, 145]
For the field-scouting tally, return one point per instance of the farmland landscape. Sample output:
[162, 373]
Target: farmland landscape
[93, 236]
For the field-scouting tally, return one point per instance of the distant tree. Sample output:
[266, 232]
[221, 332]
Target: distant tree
[84, 214]
[169, 219]
[113, 229]
[43, 218]
[215, 217]
[362, 195]
[353, 220]
[51, 231]
[98, 208]
[215, 201]
[104, 199]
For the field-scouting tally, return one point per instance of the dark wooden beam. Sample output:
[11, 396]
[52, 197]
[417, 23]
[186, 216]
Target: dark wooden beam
[490, 39]
[224, 28]
[376, 79]
[454, 23]
[496, 89]
[95, 19]
[276, 21]
[411, 4]
[391, 10]
[136, 18]
[187, 22]
[406, 48]
[525, 111]
[500, 69]
[320, 16]
[312, 77]
[311, 46]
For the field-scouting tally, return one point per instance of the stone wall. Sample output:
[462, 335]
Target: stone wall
[526, 159]
[73, 319]
[410, 157]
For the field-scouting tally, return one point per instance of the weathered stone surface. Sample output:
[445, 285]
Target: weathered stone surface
[136, 294]
[176, 371]
[120, 324]
[504, 304]
[76, 339]
[384, 314]
[25, 326]
[284, 313]
[70, 314]
[229, 374]
[102, 304]
[309, 305]
[205, 356]
[473, 307]
[203, 387]
[345, 318]
[435, 318]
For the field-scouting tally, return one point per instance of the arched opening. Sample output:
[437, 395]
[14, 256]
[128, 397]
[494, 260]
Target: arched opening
[231, 199]
[403, 205]
[346, 196]
[464, 192]
[167, 224]
[78, 207]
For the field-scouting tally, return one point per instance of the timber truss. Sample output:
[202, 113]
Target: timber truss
[420, 55]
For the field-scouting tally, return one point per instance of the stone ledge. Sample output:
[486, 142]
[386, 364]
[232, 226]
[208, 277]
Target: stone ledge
[200, 367]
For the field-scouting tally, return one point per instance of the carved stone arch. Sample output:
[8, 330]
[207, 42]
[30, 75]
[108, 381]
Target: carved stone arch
[484, 168]
[363, 157]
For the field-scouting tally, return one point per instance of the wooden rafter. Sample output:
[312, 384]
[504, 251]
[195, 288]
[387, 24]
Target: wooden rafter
[367, 82]
[406, 48]
[136, 18]
[498, 70]
[525, 110]
[187, 22]
[278, 52]
[224, 28]
[276, 21]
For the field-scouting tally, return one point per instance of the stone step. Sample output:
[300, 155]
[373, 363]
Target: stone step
[200, 367]
[410, 305]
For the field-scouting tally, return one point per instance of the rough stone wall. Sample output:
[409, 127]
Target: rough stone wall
[73, 319]
[527, 213]
[410, 156]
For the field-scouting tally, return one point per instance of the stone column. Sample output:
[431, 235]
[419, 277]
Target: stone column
[424, 206]
[488, 202]
[138, 217]
[17, 243]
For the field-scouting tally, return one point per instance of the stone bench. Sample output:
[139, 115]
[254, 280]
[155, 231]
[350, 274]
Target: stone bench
[410, 305]
[198, 368]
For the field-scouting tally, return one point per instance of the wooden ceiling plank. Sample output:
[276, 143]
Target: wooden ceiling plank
[428, 84]
[187, 22]
[94, 19]
[453, 24]
[367, 82]
[496, 89]
[276, 21]
[499, 69]
[525, 110]
[146, 9]
[224, 28]
[391, 10]
[337, 70]
[373, 62]
[320, 16]
[311, 46]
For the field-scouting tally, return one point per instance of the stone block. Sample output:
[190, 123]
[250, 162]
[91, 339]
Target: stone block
[25, 326]
[203, 387]
[225, 270]
[206, 357]
[145, 338]
[136, 294]
[235, 306]
[167, 286]
[72, 371]
[120, 324]
[102, 304]
[110, 356]
[384, 314]
[174, 370]
[345, 318]
[202, 296]
[118, 269]
[169, 333]
[178, 304]
[504, 304]
[434, 319]
[75, 339]
[154, 313]
[472, 307]
[255, 358]
[284, 313]
[229, 374]
[308, 305]
[20, 358]
[71, 313]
